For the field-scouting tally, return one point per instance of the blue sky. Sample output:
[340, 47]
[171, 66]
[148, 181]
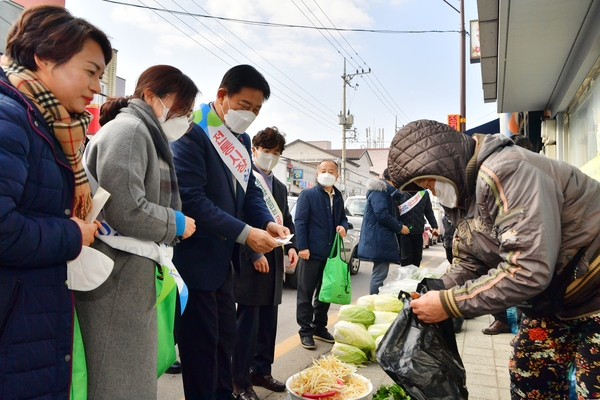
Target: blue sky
[414, 76]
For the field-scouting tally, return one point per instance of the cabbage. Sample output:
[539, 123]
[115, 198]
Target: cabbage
[384, 317]
[348, 354]
[373, 352]
[378, 330]
[366, 301]
[358, 314]
[386, 302]
[354, 334]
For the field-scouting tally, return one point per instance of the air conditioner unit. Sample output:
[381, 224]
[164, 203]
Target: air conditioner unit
[549, 132]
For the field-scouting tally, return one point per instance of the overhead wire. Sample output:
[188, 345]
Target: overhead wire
[278, 25]
[349, 57]
[355, 65]
[229, 64]
[185, 33]
[267, 61]
[364, 63]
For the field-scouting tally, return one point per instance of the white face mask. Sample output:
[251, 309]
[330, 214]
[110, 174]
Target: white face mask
[163, 119]
[446, 193]
[266, 161]
[175, 127]
[237, 121]
[83, 278]
[326, 180]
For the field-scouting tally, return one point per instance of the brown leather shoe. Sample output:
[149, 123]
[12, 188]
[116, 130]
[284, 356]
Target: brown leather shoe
[267, 381]
[248, 394]
[496, 328]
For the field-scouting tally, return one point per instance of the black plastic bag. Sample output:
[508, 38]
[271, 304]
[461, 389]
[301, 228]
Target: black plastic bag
[423, 358]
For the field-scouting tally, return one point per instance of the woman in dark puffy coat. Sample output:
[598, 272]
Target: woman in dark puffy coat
[49, 74]
[378, 232]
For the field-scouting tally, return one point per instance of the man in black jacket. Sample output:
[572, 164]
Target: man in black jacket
[411, 245]
[259, 283]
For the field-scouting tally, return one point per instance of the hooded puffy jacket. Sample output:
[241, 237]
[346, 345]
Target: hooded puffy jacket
[379, 227]
[520, 217]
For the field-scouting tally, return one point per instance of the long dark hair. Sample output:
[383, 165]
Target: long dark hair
[161, 80]
[53, 34]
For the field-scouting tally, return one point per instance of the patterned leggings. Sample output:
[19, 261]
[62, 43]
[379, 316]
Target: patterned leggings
[546, 349]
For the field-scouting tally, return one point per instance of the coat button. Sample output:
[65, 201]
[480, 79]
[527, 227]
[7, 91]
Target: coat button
[35, 123]
[67, 283]
[68, 358]
[67, 212]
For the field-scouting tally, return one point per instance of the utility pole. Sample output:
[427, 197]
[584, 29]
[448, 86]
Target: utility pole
[463, 56]
[346, 120]
[462, 123]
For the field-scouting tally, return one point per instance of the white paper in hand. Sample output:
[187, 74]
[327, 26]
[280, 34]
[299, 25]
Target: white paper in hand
[89, 270]
[92, 267]
[285, 240]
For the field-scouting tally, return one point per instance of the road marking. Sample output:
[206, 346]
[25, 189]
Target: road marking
[424, 263]
[294, 341]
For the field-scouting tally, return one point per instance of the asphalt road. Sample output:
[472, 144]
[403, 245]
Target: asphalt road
[290, 357]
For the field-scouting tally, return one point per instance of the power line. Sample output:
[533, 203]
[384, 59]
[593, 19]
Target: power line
[342, 47]
[185, 33]
[268, 62]
[278, 25]
[274, 95]
[364, 62]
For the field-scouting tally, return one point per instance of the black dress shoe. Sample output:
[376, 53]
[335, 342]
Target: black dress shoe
[175, 368]
[267, 381]
[324, 336]
[496, 328]
[308, 342]
[248, 394]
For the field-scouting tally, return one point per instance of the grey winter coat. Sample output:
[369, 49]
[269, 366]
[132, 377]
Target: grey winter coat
[131, 159]
[520, 217]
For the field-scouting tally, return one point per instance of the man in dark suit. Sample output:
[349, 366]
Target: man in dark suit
[259, 284]
[217, 188]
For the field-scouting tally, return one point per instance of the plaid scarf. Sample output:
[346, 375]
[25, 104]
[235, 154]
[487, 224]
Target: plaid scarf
[68, 129]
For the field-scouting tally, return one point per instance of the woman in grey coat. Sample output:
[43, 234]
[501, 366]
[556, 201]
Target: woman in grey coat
[130, 157]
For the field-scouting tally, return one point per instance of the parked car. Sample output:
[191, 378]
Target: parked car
[355, 210]
[348, 254]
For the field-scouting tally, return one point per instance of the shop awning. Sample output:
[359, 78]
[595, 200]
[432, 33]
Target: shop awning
[487, 128]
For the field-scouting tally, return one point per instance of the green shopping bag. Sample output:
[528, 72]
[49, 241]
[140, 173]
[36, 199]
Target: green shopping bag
[336, 286]
[79, 365]
[166, 294]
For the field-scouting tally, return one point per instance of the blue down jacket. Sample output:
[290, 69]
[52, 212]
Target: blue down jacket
[36, 240]
[379, 227]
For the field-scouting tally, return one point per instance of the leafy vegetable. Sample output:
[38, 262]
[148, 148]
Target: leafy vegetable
[390, 392]
[358, 314]
[348, 353]
[353, 334]
[386, 302]
[384, 317]
[377, 330]
[367, 301]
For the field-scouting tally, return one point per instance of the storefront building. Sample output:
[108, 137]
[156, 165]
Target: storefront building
[541, 58]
